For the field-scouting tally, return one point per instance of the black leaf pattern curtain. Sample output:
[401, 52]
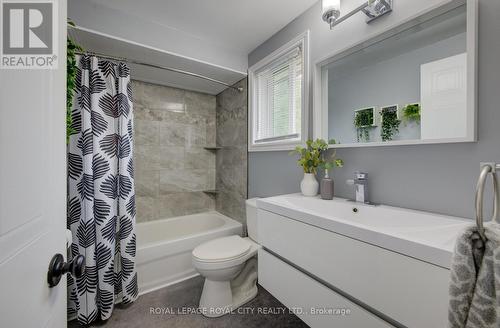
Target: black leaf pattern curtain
[101, 196]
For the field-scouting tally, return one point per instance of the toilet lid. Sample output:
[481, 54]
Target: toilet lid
[221, 249]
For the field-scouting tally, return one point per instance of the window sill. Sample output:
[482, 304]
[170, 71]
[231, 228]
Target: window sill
[273, 147]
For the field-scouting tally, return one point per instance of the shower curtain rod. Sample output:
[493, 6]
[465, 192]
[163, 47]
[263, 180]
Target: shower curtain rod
[166, 68]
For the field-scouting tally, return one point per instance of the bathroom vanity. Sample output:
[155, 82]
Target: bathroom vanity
[354, 265]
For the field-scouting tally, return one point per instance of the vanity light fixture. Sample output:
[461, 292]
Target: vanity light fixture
[330, 10]
[373, 9]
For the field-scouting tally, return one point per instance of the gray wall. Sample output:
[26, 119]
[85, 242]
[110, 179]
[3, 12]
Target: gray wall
[171, 127]
[231, 181]
[439, 178]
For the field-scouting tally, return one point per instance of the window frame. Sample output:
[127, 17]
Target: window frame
[302, 41]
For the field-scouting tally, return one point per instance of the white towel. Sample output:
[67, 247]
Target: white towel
[475, 280]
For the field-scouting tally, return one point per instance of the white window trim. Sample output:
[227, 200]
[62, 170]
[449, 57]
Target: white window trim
[301, 40]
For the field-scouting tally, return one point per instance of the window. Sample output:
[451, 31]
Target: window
[278, 98]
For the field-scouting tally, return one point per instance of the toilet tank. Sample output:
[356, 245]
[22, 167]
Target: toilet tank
[251, 209]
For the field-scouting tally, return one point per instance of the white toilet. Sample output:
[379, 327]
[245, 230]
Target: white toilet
[229, 266]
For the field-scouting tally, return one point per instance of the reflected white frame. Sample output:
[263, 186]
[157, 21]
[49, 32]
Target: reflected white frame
[320, 98]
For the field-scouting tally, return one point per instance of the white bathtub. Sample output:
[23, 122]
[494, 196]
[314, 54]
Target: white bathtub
[164, 246]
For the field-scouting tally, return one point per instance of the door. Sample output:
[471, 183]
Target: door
[444, 98]
[33, 189]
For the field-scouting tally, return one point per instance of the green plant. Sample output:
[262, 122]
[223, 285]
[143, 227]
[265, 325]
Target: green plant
[390, 122]
[363, 121]
[312, 156]
[71, 68]
[331, 162]
[411, 112]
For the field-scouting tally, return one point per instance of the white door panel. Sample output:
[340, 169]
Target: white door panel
[444, 98]
[33, 191]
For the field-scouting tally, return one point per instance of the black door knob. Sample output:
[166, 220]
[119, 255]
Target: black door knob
[58, 267]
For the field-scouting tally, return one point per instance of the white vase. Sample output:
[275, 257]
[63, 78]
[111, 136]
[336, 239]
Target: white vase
[309, 185]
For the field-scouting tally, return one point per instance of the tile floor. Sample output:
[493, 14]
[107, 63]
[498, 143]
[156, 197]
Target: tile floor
[184, 297]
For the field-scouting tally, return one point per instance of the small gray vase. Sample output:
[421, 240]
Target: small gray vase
[326, 187]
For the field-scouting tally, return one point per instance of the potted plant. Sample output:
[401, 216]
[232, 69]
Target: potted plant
[71, 70]
[364, 121]
[390, 122]
[411, 112]
[311, 157]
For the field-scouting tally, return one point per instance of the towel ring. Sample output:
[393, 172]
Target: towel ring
[486, 169]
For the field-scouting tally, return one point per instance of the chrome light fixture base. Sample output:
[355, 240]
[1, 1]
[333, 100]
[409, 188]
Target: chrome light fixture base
[331, 17]
[376, 9]
[373, 9]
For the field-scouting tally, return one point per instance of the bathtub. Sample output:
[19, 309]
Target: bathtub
[164, 246]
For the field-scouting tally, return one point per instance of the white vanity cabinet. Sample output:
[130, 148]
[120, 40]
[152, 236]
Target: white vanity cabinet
[311, 300]
[307, 266]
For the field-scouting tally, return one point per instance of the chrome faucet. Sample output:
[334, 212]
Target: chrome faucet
[361, 182]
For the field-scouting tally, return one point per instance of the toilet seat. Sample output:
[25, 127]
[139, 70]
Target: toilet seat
[222, 249]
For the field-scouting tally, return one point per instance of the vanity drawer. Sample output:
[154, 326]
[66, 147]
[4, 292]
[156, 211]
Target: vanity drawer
[411, 292]
[300, 293]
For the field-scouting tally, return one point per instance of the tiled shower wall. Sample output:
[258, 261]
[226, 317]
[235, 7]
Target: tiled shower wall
[171, 167]
[231, 181]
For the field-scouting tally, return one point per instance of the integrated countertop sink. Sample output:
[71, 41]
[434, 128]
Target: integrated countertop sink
[425, 236]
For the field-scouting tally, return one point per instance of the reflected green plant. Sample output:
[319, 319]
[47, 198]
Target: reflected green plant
[363, 121]
[411, 112]
[390, 123]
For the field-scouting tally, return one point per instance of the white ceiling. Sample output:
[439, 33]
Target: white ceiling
[241, 24]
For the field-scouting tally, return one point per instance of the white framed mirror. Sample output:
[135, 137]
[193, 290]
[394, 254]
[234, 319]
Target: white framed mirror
[414, 83]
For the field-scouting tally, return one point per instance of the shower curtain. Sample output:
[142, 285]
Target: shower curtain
[101, 197]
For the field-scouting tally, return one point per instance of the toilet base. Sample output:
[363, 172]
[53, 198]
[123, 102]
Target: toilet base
[222, 297]
[245, 297]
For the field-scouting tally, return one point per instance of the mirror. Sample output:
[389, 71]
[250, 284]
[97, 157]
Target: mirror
[412, 84]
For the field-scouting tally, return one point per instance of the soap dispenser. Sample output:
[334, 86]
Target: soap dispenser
[326, 187]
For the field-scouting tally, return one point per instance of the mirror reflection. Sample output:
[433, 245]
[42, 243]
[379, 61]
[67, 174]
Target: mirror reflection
[412, 85]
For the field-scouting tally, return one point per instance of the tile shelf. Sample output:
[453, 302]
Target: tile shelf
[211, 191]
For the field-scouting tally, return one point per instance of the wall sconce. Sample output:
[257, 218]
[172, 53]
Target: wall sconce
[330, 10]
[373, 9]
